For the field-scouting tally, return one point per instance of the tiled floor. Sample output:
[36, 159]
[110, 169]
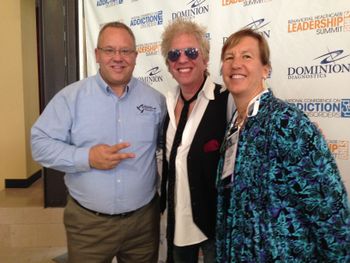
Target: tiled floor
[32, 196]
[30, 255]
[29, 233]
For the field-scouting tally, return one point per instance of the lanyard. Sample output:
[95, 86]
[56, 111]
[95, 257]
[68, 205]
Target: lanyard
[229, 130]
[229, 150]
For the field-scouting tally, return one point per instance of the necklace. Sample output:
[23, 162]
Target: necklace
[239, 123]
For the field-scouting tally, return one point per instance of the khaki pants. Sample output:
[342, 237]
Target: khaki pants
[98, 239]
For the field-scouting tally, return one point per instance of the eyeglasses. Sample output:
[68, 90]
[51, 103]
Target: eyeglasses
[190, 52]
[110, 52]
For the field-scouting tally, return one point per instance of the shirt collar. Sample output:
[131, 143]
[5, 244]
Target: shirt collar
[207, 90]
[253, 106]
[107, 90]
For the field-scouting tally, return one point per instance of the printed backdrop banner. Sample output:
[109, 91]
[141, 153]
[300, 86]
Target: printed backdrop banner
[309, 41]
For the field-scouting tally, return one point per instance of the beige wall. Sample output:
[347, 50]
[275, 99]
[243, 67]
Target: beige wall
[19, 105]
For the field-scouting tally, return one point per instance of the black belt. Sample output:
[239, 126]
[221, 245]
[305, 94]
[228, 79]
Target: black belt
[123, 215]
[126, 214]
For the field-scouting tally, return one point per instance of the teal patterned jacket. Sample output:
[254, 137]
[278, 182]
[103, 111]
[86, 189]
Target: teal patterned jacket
[287, 202]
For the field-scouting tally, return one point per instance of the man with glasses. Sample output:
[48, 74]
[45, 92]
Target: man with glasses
[103, 132]
[193, 132]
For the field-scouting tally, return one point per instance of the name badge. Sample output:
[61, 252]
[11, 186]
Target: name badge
[230, 154]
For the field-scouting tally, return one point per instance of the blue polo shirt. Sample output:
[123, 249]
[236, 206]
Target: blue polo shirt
[87, 113]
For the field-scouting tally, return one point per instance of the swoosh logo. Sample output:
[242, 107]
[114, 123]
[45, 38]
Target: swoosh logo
[195, 3]
[153, 71]
[331, 57]
[257, 24]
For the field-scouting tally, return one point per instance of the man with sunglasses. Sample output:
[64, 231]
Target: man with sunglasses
[193, 132]
[103, 133]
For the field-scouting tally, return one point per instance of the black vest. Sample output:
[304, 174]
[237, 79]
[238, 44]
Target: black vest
[202, 161]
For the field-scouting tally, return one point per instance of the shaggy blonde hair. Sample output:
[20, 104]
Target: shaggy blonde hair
[181, 26]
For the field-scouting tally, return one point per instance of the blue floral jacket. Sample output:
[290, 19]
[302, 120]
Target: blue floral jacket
[287, 202]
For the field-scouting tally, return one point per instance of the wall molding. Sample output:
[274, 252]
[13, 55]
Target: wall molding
[22, 183]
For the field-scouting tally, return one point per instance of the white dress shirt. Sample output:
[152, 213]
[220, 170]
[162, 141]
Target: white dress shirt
[186, 231]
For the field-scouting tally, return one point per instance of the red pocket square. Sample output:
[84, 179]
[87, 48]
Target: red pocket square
[211, 146]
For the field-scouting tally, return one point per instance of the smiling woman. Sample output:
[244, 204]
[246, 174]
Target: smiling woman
[280, 195]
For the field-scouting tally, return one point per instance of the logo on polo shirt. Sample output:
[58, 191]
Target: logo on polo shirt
[143, 108]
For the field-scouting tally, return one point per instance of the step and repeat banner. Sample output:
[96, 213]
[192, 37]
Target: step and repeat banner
[309, 41]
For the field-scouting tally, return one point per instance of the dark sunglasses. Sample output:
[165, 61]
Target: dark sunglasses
[190, 52]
